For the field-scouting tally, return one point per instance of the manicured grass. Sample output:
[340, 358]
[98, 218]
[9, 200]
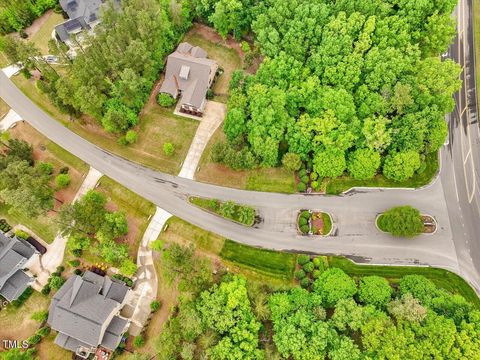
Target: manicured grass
[442, 278]
[180, 231]
[47, 349]
[227, 58]
[4, 108]
[41, 37]
[157, 126]
[327, 223]
[476, 21]
[272, 179]
[3, 60]
[267, 262]
[341, 184]
[228, 209]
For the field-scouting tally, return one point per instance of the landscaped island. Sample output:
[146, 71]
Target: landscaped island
[310, 222]
[242, 214]
[406, 221]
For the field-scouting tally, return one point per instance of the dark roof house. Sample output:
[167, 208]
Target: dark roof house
[189, 75]
[82, 14]
[15, 255]
[85, 312]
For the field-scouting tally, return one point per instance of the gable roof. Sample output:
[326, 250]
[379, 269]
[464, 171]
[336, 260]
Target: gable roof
[14, 254]
[84, 308]
[188, 70]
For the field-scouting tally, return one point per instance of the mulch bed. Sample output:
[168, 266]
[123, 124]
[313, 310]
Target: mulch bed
[428, 224]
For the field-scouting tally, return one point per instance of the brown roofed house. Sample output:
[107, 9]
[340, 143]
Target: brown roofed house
[189, 75]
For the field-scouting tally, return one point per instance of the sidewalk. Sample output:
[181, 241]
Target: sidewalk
[146, 286]
[56, 250]
[212, 118]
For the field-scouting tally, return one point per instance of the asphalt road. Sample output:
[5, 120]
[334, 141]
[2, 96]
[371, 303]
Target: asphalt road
[354, 215]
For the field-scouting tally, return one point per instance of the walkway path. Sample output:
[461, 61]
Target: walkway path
[213, 117]
[56, 250]
[146, 286]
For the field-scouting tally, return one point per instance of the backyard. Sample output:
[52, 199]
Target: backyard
[42, 28]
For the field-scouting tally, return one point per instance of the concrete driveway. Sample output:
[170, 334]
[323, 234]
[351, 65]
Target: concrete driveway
[212, 118]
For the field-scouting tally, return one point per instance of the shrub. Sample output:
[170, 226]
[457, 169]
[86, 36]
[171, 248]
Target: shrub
[301, 187]
[77, 252]
[334, 285]
[138, 341]
[21, 234]
[62, 180]
[308, 267]
[305, 229]
[302, 221]
[316, 274]
[46, 290]
[210, 94]
[165, 100]
[313, 176]
[305, 283]
[40, 316]
[60, 268]
[77, 272]
[56, 282]
[300, 274]
[128, 267]
[402, 221]
[315, 185]
[156, 245]
[305, 214]
[302, 259]
[305, 179]
[34, 339]
[44, 331]
[168, 149]
[22, 298]
[131, 136]
[45, 168]
[64, 170]
[74, 263]
[291, 161]
[122, 140]
[302, 173]
[155, 305]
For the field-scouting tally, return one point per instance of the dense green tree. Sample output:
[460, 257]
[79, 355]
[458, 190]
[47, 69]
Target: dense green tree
[363, 164]
[291, 161]
[407, 308]
[400, 166]
[374, 290]
[402, 221]
[329, 163]
[420, 287]
[334, 285]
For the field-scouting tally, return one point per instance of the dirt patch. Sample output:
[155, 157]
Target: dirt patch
[429, 224]
[211, 35]
[317, 222]
[38, 23]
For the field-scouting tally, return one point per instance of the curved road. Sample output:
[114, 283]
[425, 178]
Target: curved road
[355, 235]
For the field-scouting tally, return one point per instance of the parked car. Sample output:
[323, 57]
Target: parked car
[36, 244]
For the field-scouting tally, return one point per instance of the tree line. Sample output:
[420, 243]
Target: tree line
[354, 86]
[339, 318]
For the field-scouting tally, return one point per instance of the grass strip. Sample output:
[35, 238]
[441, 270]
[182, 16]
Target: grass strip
[241, 214]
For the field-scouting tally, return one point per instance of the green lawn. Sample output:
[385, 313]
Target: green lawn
[227, 58]
[41, 37]
[476, 20]
[157, 126]
[442, 278]
[341, 184]
[3, 60]
[4, 108]
[271, 263]
[180, 231]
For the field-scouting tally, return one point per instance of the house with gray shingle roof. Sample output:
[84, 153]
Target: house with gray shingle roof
[188, 76]
[15, 256]
[83, 15]
[86, 313]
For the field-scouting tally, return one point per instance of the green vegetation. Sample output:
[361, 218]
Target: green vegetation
[444, 279]
[44, 34]
[271, 263]
[316, 223]
[343, 103]
[228, 209]
[403, 221]
[17, 15]
[165, 100]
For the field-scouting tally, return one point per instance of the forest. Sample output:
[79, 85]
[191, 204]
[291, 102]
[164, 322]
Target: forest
[15, 15]
[335, 316]
[353, 86]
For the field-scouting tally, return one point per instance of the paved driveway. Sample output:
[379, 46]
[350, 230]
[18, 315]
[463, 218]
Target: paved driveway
[212, 118]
